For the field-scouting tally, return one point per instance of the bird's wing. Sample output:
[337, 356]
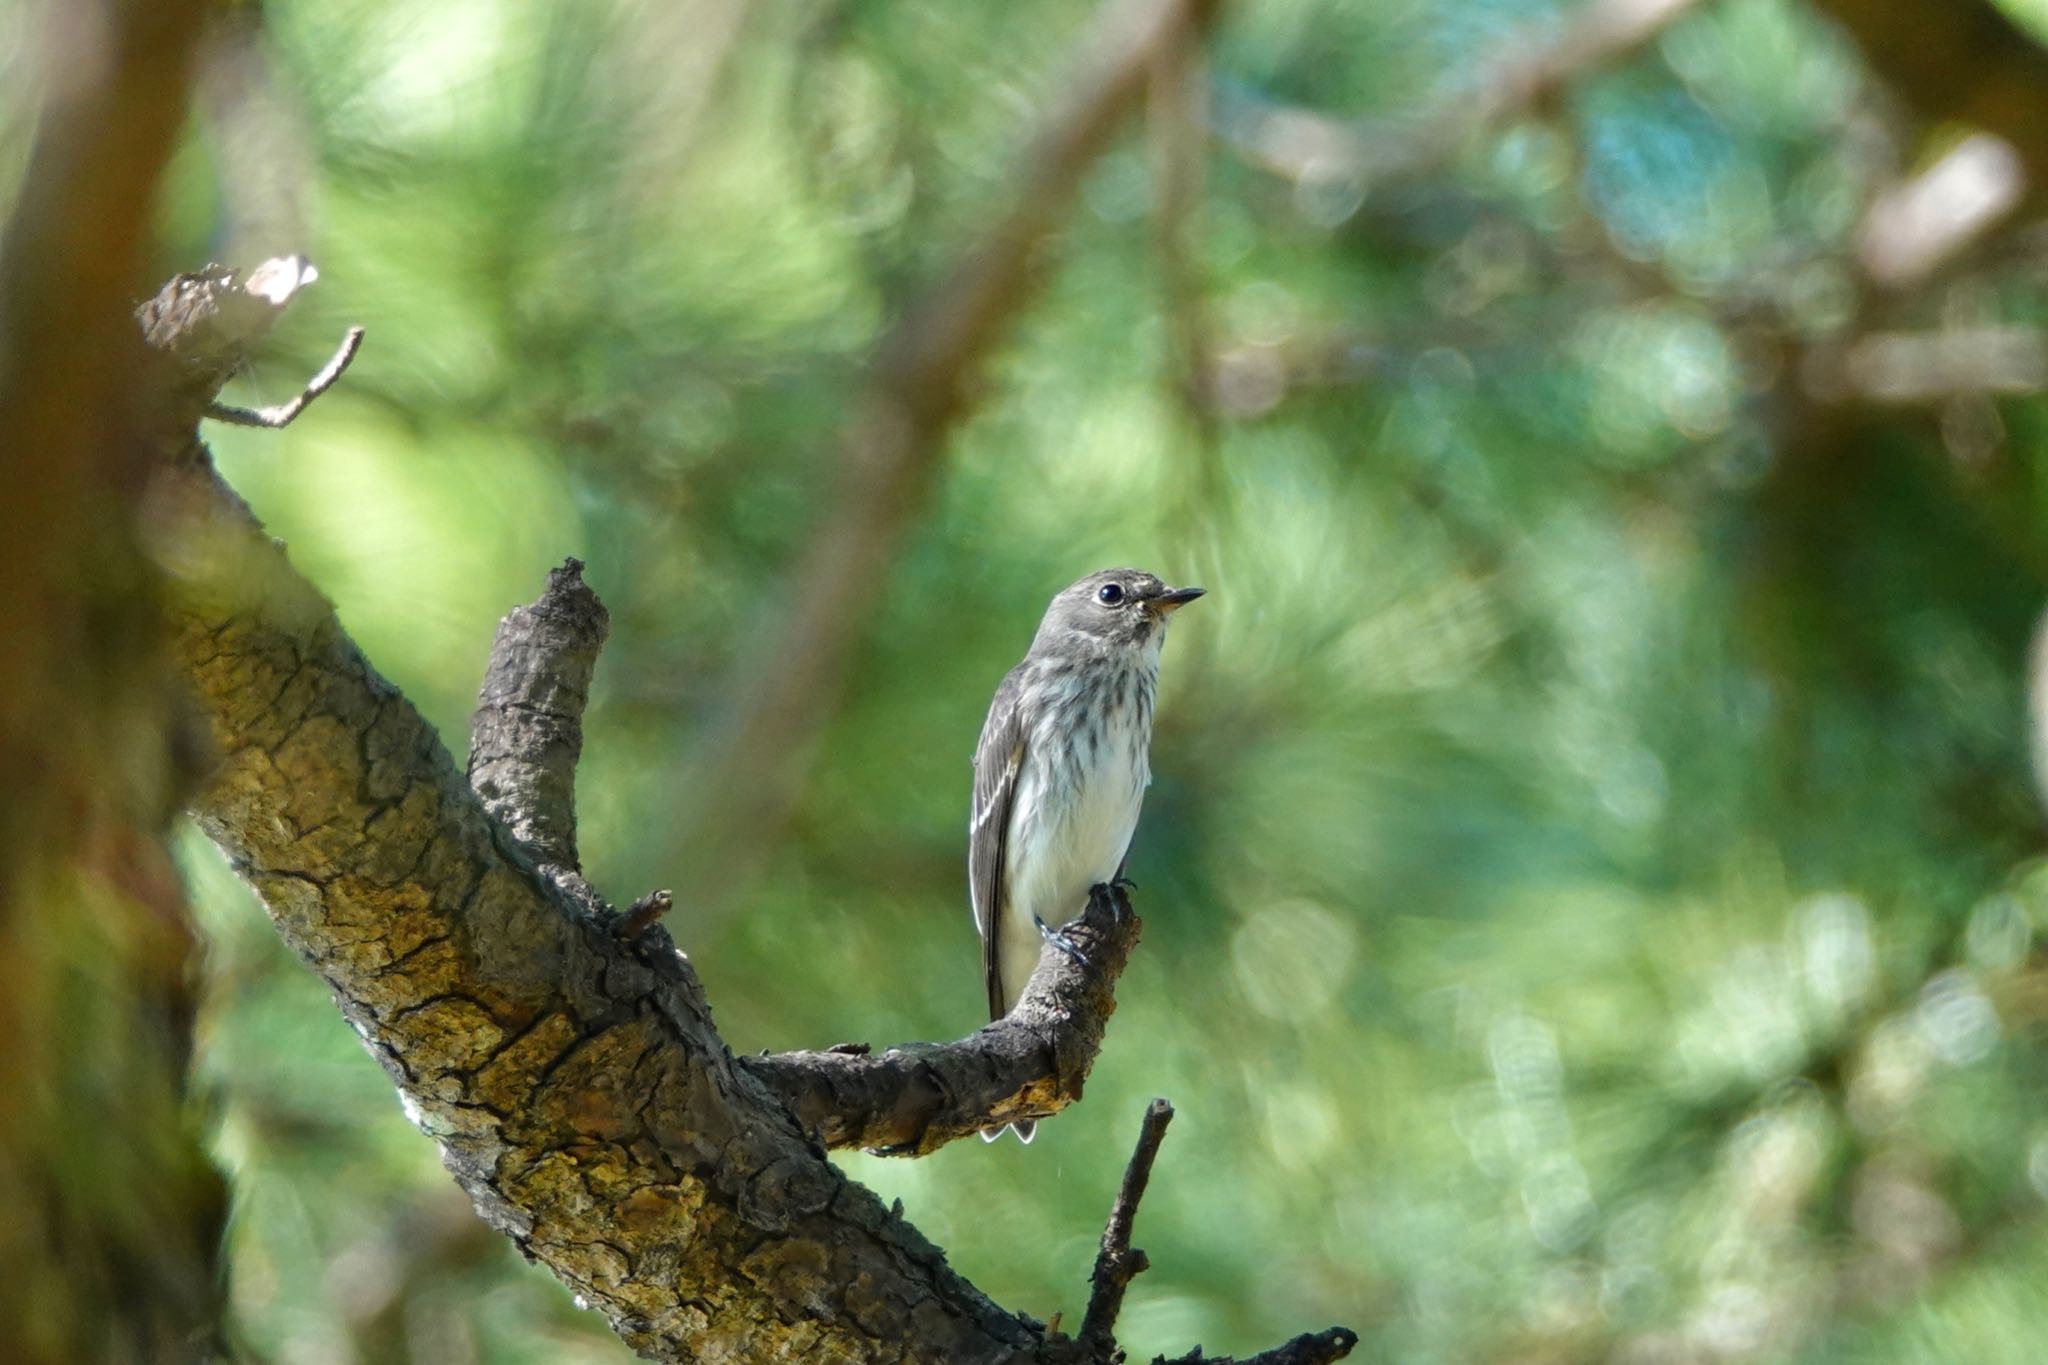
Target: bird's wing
[998, 758]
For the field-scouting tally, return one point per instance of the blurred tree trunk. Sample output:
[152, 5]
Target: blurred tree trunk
[113, 1214]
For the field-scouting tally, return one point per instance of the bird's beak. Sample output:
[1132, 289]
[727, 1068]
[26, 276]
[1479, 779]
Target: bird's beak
[1173, 599]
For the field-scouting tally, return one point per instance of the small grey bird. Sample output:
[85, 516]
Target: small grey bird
[1061, 771]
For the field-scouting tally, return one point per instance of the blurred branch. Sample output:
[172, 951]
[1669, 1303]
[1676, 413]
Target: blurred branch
[114, 1232]
[1959, 61]
[782, 693]
[578, 1088]
[1914, 225]
[1178, 109]
[2037, 709]
[1030, 1064]
[1308, 147]
[257, 132]
[1928, 367]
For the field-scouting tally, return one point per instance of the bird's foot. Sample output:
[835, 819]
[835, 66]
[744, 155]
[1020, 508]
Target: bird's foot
[1058, 939]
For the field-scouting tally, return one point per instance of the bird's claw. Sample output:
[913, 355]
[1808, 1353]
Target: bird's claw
[1058, 939]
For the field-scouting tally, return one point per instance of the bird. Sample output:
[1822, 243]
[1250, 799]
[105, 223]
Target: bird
[1060, 773]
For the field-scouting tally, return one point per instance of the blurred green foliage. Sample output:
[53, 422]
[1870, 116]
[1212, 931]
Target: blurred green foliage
[1587, 872]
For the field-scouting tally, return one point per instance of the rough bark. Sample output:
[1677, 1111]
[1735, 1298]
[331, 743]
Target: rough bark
[572, 1075]
[914, 1099]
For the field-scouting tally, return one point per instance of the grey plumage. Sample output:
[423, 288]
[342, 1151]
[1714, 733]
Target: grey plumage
[1061, 769]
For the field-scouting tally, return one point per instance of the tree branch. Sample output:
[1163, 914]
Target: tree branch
[1117, 1263]
[784, 691]
[573, 1079]
[1959, 61]
[1310, 1348]
[527, 732]
[280, 415]
[1314, 148]
[912, 1100]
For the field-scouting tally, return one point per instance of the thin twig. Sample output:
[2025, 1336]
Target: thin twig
[283, 414]
[1118, 1262]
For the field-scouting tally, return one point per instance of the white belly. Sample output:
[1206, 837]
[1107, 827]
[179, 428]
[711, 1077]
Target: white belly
[1057, 850]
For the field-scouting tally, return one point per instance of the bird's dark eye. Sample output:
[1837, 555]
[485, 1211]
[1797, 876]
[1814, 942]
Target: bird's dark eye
[1110, 595]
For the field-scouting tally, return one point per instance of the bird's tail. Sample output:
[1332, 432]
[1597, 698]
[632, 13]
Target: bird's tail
[1025, 1129]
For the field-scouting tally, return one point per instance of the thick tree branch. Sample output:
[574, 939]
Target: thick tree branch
[1032, 1063]
[527, 732]
[573, 1079]
[784, 691]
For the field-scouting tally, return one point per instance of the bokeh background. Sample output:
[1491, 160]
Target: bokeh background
[1592, 874]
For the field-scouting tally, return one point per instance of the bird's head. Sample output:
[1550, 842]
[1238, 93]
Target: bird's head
[1115, 607]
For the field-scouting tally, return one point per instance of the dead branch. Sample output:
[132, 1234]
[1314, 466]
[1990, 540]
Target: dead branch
[787, 684]
[1117, 1263]
[527, 732]
[280, 415]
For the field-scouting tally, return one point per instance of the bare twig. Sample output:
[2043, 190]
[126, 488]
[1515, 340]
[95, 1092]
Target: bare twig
[284, 414]
[786, 687]
[1117, 1263]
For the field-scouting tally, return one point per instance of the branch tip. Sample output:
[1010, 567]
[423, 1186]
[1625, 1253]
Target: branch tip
[1310, 1348]
[641, 914]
